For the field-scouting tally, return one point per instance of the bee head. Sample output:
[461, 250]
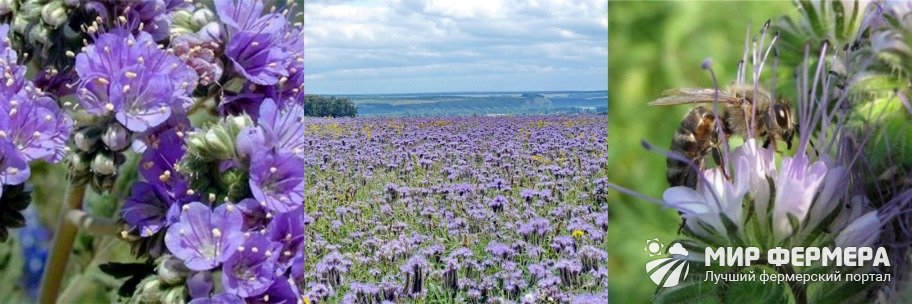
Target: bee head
[781, 122]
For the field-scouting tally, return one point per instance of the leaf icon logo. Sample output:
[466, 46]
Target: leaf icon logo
[669, 272]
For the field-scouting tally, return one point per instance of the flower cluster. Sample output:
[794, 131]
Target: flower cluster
[131, 86]
[266, 51]
[132, 79]
[246, 230]
[32, 127]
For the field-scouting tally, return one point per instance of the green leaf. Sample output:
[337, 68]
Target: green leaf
[840, 29]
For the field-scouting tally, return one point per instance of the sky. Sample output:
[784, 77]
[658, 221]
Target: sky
[419, 46]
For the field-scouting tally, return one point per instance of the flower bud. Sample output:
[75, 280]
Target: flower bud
[239, 122]
[103, 183]
[172, 271]
[862, 232]
[175, 295]
[80, 162]
[86, 138]
[103, 164]
[116, 137]
[202, 17]
[150, 291]
[7, 6]
[79, 166]
[182, 23]
[212, 32]
[216, 145]
[54, 14]
[39, 34]
[196, 144]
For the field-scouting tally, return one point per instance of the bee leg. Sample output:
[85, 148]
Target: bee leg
[717, 157]
[767, 141]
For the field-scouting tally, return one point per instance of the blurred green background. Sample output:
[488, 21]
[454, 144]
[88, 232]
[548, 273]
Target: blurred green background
[653, 47]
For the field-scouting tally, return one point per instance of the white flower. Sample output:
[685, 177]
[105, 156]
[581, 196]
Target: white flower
[796, 185]
[760, 165]
[710, 201]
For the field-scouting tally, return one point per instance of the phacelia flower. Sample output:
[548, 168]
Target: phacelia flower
[277, 180]
[250, 271]
[149, 209]
[277, 128]
[134, 80]
[204, 238]
[255, 45]
[288, 229]
[30, 121]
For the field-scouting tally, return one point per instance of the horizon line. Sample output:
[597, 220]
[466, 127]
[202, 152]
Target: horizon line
[459, 92]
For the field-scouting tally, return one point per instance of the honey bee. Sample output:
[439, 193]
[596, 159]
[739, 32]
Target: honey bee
[697, 136]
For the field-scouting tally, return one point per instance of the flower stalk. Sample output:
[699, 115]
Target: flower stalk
[62, 246]
[91, 224]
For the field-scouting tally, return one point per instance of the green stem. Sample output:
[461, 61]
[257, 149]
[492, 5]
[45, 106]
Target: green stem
[64, 236]
[96, 226]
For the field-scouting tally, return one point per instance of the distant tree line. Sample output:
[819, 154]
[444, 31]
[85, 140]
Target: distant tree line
[329, 106]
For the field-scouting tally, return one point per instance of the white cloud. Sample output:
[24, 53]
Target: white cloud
[401, 45]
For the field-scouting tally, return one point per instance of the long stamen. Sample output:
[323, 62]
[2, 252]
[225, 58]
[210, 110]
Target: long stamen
[723, 139]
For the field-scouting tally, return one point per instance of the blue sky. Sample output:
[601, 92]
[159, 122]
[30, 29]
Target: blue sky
[408, 46]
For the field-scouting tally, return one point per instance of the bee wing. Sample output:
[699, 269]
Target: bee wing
[692, 95]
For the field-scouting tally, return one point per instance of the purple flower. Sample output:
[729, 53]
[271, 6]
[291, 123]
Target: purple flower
[204, 238]
[30, 121]
[415, 271]
[332, 267]
[281, 291]
[247, 15]
[255, 47]
[276, 128]
[283, 126]
[277, 181]
[200, 51]
[149, 209]
[288, 229]
[14, 168]
[150, 16]
[222, 298]
[258, 56]
[130, 77]
[250, 271]
[35, 125]
[200, 284]
[589, 299]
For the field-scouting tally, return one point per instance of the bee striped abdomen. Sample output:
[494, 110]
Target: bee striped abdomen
[693, 139]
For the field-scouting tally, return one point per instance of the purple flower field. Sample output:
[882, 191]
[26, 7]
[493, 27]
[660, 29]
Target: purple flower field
[456, 210]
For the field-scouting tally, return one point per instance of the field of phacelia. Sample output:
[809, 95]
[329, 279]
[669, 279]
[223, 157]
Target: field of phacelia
[456, 210]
